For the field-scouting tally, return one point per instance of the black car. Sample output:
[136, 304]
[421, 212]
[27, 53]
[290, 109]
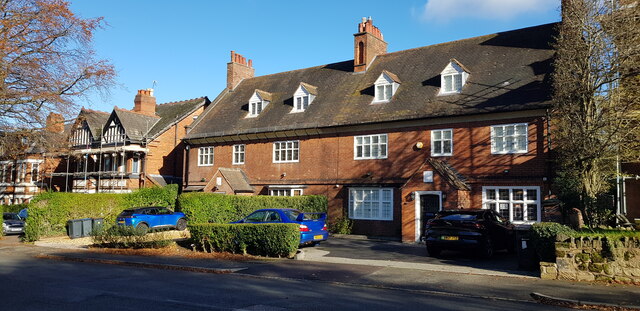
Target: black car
[483, 231]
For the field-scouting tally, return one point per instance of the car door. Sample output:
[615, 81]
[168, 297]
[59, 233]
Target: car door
[497, 228]
[163, 217]
[151, 216]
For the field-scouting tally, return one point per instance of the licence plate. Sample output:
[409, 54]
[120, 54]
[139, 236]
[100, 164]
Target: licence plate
[121, 221]
[449, 238]
[317, 237]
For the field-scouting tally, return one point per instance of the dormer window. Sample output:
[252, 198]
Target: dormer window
[453, 78]
[258, 102]
[303, 97]
[385, 87]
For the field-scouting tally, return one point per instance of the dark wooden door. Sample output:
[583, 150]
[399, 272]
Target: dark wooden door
[429, 206]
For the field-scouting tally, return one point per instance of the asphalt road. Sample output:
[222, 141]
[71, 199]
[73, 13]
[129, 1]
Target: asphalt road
[27, 283]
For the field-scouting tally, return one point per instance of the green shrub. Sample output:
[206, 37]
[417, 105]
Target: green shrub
[273, 240]
[543, 236]
[128, 237]
[220, 208]
[50, 211]
[13, 208]
[342, 225]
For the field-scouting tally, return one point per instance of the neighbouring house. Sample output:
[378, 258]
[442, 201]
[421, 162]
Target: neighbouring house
[129, 149]
[29, 159]
[389, 138]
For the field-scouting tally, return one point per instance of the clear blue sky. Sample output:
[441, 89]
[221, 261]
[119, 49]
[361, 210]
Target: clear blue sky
[185, 45]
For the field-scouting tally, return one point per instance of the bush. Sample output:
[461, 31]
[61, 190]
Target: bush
[128, 237]
[342, 225]
[50, 211]
[543, 236]
[220, 208]
[273, 240]
[15, 208]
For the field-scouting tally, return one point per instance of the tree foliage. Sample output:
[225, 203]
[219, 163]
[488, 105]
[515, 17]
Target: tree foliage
[596, 98]
[47, 63]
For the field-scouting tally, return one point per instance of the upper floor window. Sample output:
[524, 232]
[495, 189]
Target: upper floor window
[258, 102]
[22, 172]
[303, 97]
[135, 164]
[442, 142]
[385, 86]
[452, 78]
[370, 147]
[509, 138]
[205, 156]
[286, 151]
[238, 154]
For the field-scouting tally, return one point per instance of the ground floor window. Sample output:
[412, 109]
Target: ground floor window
[518, 204]
[285, 192]
[371, 203]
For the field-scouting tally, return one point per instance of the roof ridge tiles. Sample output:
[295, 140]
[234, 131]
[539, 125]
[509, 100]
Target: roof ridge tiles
[182, 101]
[91, 110]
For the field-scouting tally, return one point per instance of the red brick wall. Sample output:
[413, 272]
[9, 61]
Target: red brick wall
[165, 155]
[327, 161]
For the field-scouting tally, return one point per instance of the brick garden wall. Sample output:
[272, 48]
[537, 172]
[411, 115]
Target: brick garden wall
[595, 259]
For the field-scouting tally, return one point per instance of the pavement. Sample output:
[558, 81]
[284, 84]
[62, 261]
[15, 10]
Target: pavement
[381, 264]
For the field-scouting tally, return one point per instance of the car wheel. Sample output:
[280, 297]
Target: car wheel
[487, 249]
[433, 251]
[181, 224]
[142, 227]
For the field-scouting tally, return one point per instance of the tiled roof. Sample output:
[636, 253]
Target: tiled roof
[508, 71]
[95, 119]
[173, 112]
[136, 125]
[237, 179]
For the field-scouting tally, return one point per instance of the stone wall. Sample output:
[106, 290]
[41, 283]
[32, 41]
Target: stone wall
[595, 259]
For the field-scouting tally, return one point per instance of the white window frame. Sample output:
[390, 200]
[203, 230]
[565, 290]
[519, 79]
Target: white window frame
[238, 154]
[358, 203]
[370, 145]
[289, 145]
[504, 147]
[286, 192]
[301, 103]
[511, 201]
[384, 89]
[205, 156]
[441, 140]
[135, 164]
[21, 172]
[458, 79]
[255, 108]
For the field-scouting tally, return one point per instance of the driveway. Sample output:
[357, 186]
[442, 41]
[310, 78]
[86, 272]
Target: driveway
[413, 256]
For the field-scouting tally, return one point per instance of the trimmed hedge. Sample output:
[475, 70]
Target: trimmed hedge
[543, 236]
[128, 237]
[221, 208]
[50, 211]
[273, 240]
[15, 208]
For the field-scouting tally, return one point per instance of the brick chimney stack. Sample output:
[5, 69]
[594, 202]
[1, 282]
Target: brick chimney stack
[145, 102]
[55, 123]
[368, 43]
[238, 69]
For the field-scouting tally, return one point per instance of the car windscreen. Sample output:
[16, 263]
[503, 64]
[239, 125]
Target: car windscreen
[459, 217]
[10, 216]
[127, 212]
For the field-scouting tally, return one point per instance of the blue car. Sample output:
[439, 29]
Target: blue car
[154, 217]
[313, 228]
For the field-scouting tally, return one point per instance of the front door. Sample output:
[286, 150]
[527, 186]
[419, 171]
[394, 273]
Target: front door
[429, 206]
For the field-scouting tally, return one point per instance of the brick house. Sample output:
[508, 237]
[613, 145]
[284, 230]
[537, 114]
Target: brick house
[130, 149]
[388, 137]
[28, 161]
